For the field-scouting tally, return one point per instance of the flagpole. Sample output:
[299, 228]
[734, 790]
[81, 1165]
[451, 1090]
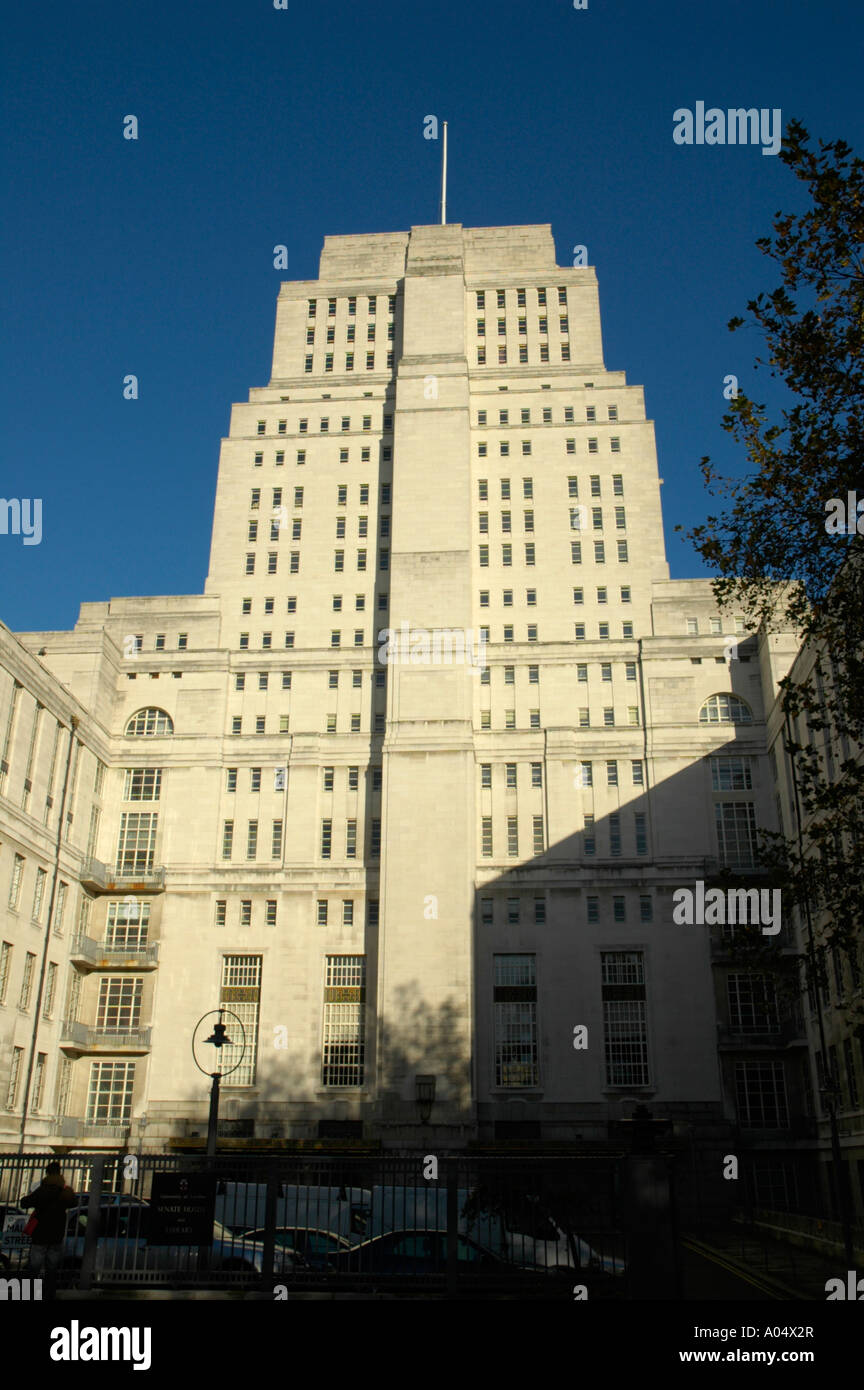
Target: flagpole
[444, 181]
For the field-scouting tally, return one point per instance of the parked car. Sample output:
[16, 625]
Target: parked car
[422, 1252]
[316, 1248]
[123, 1249]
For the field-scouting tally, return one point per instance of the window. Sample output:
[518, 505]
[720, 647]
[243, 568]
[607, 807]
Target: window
[343, 1047]
[611, 773]
[514, 995]
[26, 981]
[576, 552]
[725, 709]
[326, 838]
[149, 723]
[736, 833]
[351, 839]
[760, 1090]
[241, 993]
[640, 826]
[39, 895]
[730, 774]
[590, 836]
[5, 967]
[615, 834]
[624, 1018]
[512, 836]
[221, 908]
[637, 772]
[486, 837]
[142, 784]
[119, 1005]
[752, 1003]
[322, 912]
[109, 1099]
[227, 838]
[137, 843]
[622, 552]
[537, 830]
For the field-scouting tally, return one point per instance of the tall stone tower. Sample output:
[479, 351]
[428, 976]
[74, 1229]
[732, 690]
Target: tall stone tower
[409, 787]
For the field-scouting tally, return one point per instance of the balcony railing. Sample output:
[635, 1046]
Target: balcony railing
[103, 953]
[87, 1039]
[97, 877]
[738, 1039]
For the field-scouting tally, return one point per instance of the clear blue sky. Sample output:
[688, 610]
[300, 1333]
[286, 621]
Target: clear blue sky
[261, 126]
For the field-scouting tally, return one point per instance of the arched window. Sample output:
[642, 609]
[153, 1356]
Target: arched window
[148, 722]
[725, 709]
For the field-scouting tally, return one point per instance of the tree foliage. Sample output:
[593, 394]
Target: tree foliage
[777, 559]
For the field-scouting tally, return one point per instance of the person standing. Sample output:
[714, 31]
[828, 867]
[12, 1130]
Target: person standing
[50, 1201]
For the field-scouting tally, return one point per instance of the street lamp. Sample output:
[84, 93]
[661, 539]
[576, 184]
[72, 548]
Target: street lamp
[219, 1040]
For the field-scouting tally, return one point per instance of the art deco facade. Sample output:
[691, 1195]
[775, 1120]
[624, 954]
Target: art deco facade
[405, 868]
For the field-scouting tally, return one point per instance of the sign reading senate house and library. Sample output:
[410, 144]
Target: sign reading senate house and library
[182, 1207]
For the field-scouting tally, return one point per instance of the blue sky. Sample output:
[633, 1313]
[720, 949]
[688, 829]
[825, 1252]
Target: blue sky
[260, 126]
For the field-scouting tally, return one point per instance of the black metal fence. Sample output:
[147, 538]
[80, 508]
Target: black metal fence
[544, 1226]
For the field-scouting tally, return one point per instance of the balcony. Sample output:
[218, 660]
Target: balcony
[97, 877]
[737, 1040]
[79, 1037]
[71, 1128]
[88, 954]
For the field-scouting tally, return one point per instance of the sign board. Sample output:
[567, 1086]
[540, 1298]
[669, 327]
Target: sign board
[13, 1232]
[181, 1208]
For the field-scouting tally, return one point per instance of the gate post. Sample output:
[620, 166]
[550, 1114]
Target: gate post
[452, 1228]
[646, 1211]
[269, 1241]
[91, 1230]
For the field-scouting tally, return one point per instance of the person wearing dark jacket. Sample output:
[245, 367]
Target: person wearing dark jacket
[50, 1201]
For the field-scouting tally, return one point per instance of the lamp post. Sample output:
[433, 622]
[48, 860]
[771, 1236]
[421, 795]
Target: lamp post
[219, 1040]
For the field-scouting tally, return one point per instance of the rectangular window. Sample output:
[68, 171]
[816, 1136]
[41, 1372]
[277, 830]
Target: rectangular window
[127, 926]
[15, 883]
[26, 981]
[615, 834]
[590, 838]
[5, 967]
[241, 993]
[752, 1003]
[514, 995]
[227, 839]
[736, 833]
[539, 844]
[760, 1089]
[512, 836]
[486, 837]
[351, 839]
[343, 1045]
[136, 845]
[624, 1018]
[142, 784]
[731, 774]
[641, 832]
[109, 1100]
[39, 894]
[119, 1006]
[221, 909]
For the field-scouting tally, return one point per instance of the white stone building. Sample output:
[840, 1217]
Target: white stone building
[411, 868]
